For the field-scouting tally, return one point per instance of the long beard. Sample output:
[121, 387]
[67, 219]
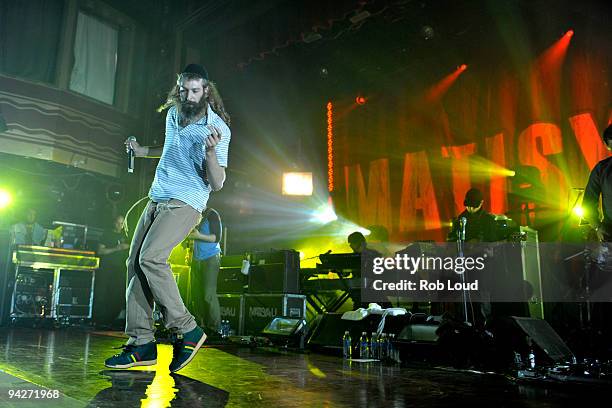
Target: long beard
[191, 112]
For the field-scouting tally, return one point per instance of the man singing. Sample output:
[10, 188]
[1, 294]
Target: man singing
[480, 224]
[192, 164]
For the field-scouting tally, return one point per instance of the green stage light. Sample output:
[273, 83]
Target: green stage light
[5, 199]
[578, 211]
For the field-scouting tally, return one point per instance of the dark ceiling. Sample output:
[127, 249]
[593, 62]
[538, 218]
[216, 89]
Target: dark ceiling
[322, 37]
[422, 39]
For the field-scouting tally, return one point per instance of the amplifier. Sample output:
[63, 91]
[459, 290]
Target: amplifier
[259, 310]
[232, 310]
[275, 272]
[231, 280]
[7, 275]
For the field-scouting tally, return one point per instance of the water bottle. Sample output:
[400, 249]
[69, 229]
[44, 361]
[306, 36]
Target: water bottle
[382, 346]
[223, 329]
[363, 346]
[374, 349]
[392, 350]
[531, 358]
[346, 345]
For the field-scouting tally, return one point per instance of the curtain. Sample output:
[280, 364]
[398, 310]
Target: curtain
[95, 59]
[29, 37]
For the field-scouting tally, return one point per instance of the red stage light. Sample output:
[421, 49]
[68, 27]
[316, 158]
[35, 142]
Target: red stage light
[569, 33]
[437, 90]
[360, 100]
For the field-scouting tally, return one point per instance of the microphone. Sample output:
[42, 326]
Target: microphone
[130, 153]
[462, 224]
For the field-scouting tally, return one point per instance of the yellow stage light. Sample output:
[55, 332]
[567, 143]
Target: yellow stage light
[5, 199]
[578, 211]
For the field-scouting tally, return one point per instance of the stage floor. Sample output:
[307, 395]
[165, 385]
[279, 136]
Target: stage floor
[71, 362]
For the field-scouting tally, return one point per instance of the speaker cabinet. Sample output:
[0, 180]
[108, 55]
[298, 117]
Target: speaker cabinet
[275, 272]
[7, 276]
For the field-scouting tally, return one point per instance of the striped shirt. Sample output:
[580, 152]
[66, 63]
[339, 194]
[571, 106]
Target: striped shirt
[181, 171]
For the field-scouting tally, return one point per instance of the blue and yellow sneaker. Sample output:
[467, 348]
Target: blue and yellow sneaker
[185, 348]
[132, 355]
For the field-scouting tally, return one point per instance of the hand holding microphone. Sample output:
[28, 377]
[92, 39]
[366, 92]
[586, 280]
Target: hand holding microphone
[133, 149]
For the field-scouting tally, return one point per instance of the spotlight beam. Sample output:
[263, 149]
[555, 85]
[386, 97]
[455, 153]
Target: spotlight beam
[436, 91]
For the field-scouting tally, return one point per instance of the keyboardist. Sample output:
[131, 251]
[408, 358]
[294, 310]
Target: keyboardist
[359, 245]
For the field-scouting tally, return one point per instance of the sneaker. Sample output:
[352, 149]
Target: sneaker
[185, 348]
[133, 355]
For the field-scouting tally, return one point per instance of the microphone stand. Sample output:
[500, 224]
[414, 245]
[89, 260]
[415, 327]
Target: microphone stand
[460, 245]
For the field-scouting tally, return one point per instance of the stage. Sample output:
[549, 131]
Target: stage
[71, 362]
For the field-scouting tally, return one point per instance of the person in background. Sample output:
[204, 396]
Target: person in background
[28, 231]
[600, 185]
[359, 245]
[112, 249]
[205, 270]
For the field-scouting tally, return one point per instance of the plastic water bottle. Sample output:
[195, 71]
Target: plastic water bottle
[347, 345]
[364, 352]
[374, 349]
[392, 350]
[382, 346]
[531, 358]
[224, 330]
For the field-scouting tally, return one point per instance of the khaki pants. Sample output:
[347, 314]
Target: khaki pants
[161, 227]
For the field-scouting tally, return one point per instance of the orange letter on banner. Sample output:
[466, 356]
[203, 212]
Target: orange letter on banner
[460, 169]
[498, 184]
[371, 207]
[590, 143]
[418, 194]
[549, 137]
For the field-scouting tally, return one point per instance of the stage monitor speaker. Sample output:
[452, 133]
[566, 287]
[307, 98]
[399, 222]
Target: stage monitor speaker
[419, 333]
[7, 276]
[260, 310]
[284, 330]
[545, 337]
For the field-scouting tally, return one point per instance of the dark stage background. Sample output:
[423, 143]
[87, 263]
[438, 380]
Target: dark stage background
[531, 100]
